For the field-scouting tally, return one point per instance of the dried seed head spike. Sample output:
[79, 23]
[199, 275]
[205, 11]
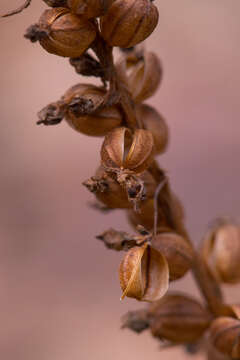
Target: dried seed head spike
[89, 8]
[67, 34]
[128, 22]
[145, 77]
[144, 274]
[85, 113]
[154, 122]
[122, 150]
[178, 318]
[221, 250]
[225, 336]
[177, 251]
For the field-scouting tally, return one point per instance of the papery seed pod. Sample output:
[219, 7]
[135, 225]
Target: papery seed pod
[221, 250]
[145, 77]
[154, 122]
[89, 8]
[178, 318]
[123, 150]
[214, 354]
[144, 274]
[115, 196]
[98, 123]
[177, 251]
[128, 22]
[225, 336]
[68, 35]
[56, 3]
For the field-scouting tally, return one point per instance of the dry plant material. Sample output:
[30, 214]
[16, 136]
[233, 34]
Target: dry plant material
[129, 177]
[144, 274]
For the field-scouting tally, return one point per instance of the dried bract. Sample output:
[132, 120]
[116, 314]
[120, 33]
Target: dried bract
[128, 22]
[177, 251]
[144, 274]
[95, 120]
[154, 122]
[69, 35]
[178, 318]
[122, 150]
[225, 336]
[221, 250]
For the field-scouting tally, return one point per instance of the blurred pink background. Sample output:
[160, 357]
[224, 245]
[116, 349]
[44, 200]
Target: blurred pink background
[59, 286]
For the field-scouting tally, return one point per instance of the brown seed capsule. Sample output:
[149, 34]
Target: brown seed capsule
[128, 22]
[113, 195]
[221, 250]
[98, 123]
[68, 35]
[89, 8]
[214, 354]
[145, 77]
[123, 150]
[225, 336]
[178, 318]
[143, 274]
[177, 251]
[154, 122]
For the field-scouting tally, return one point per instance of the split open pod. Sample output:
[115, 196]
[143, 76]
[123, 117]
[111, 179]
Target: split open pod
[125, 150]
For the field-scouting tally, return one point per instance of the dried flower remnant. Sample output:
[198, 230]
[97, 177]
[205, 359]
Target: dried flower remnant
[89, 8]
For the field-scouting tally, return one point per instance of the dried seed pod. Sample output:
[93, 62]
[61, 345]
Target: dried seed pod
[154, 122]
[144, 274]
[145, 77]
[98, 123]
[214, 354]
[68, 35]
[123, 150]
[221, 250]
[178, 318]
[89, 8]
[177, 251]
[225, 336]
[128, 22]
[115, 196]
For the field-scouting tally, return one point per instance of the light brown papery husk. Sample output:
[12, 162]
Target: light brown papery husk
[178, 318]
[70, 35]
[97, 124]
[89, 8]
[225, 336]
[122, 150]
[128, 22]
[145, 77]
[221, 250]
[144, 274]
[177, 251]
[154, 122]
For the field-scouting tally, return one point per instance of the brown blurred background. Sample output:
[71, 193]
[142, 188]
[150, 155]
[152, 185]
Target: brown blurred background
[59, 291]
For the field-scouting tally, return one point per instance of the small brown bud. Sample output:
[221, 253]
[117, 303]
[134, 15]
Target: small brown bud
[177, 251]
[144, 274]
[178, 318]
[90, 122]
[128, 22]
[145, 77]
[122, 150]
[67, 34]
[225, 336]
[89, 8]
[221, 250]
[154, 122]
